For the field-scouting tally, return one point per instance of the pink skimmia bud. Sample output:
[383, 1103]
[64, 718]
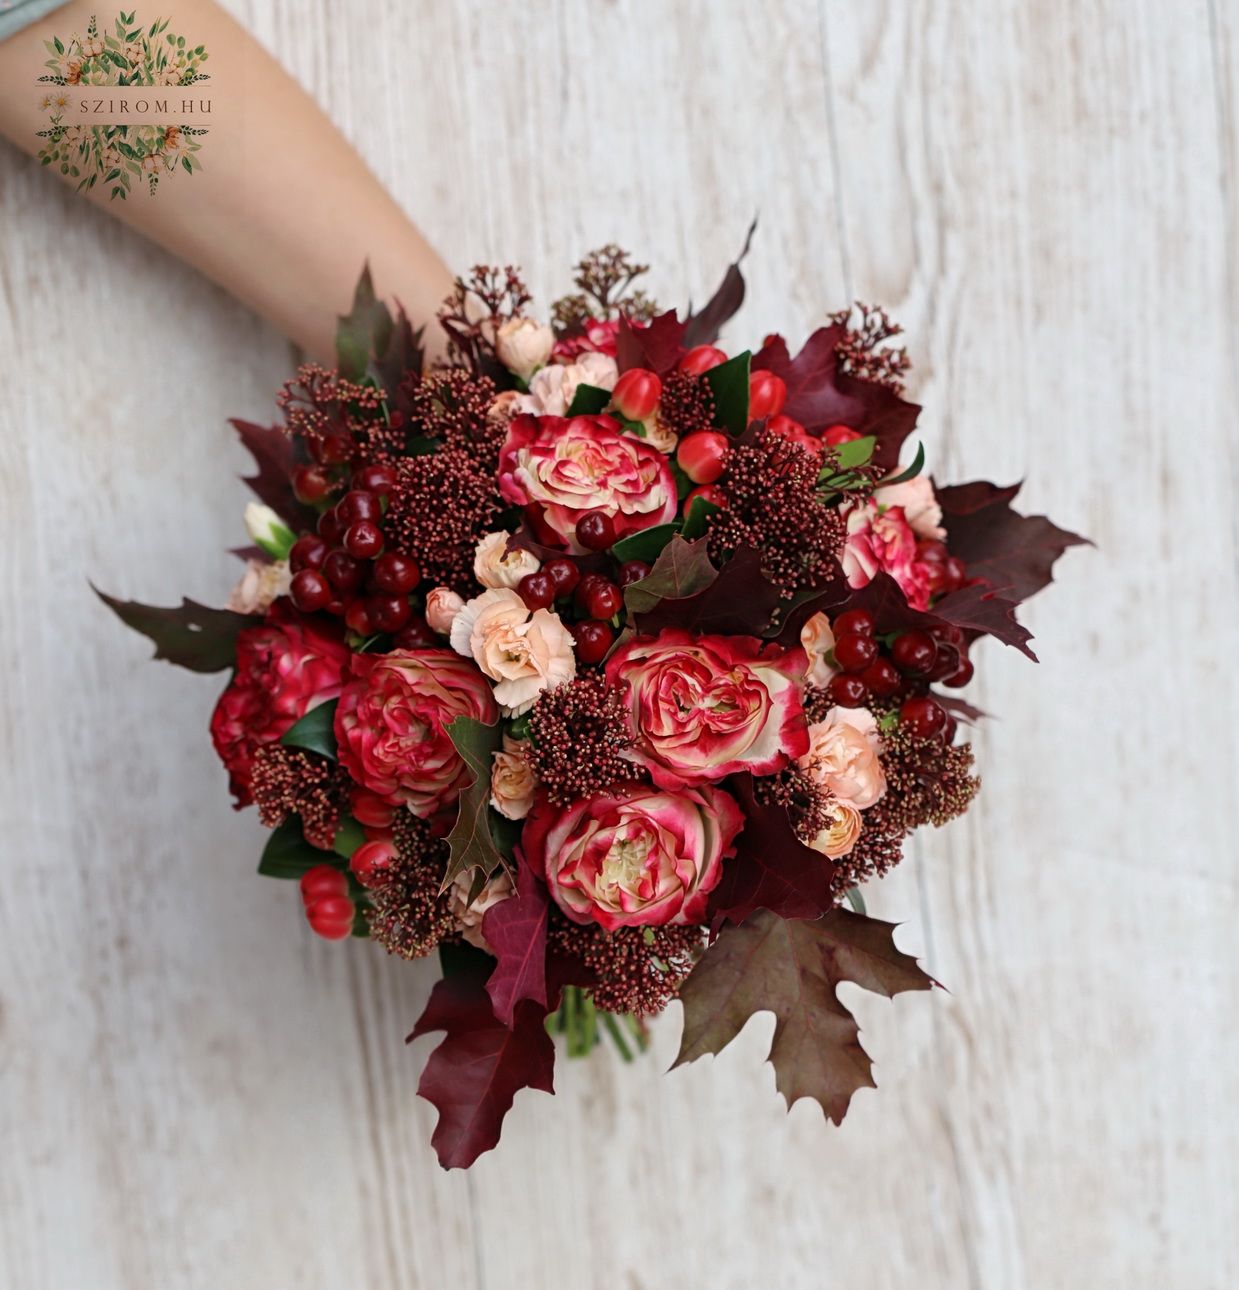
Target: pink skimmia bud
[636, 394]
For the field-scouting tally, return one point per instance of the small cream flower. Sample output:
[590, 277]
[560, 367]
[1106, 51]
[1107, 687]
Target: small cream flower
[442, 606]
[817, 640]
[512, 781]
[839, 837]
[843, 756]
[261, 584]
[503, 407]
[492, 568]
[523, 345]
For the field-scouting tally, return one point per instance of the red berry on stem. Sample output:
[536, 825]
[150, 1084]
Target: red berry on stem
[701, 359]
[846, 691]
[593, 639]
[537, 590]
[922, 717]
[636, 394]
[375, 478]
[321, 881]
[343, 572]
[357, 505]
[604, 599]
[633, 571]
[363, 540]
[701, 454]
[959, 678]
[357, 618]
[882, 677]
[855, 622]
[330, 527]
[370, 809]
[564, 574]
[331, 917]
[767, 395]
[914, 652]
[854, 653]
[585, 585]
[833, 436]
[708, 492]
[954, 574]
[311, 484]
[310, 591]
[417, 634]
[396, 573]
[595, 531]
[946, 662]
[335, 449]
[389, 613]
[308, 552]
[370, 859]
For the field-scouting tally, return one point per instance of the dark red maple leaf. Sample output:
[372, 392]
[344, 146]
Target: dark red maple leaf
[275, 457]
[980, 609]
[772, 869]
[819, 395]
[1014, 553]
[476, 1071]
[190, 635]
[738, 600]
[703, 328]
[515, 929]
[656, 346]
[794, 969]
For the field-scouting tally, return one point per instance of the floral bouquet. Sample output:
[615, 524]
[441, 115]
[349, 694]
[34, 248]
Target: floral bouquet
[608, 665]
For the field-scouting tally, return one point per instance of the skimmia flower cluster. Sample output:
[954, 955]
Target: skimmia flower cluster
[607, 664]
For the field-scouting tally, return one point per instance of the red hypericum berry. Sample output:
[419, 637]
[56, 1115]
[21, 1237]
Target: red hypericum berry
[311, 484]
[833, 436]
[948, 633]
[846, 691]
[701, 455]
[585, 585]
[914, 652]
[954, 574]
[363, 540]
[636, 394]
[767, 395]
[593, 639]
[604, 599]
[359, 619]
[855, 622]
[396, 573]
[959, 678]
[330, 527]
[375, 478]
[854, 653]
[633, 571]
[564, 574]
[882, 677]
[793, 432]
[335, 450]
[700, 359]
[321, 881]
[596, 531]
[931, 551]
[358, 505]
[371, 810]
[417, 634]
[308, 552]
[389, 613]
[331, 917]
[370, 859]
[923, 717]
[537, 590]
[707, 492]
[343, 572]
[335, 607]
[310, 591]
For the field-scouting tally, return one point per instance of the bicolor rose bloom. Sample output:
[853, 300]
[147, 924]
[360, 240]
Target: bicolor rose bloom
[634, 857]
[495, 566]
[839, 837]
[523, 345]
[916, 498]
[285, 667]
[512, 781]
[817, 639]
[524, 653]
[843, 756]
[553, 388]
[600, 335]
[706, 707]
[883, 541]
[391, 724]
[570, 468]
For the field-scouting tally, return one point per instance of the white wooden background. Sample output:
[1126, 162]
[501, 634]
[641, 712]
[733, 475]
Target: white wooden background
[197, 1093]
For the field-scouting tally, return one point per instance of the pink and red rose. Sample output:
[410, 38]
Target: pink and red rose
[570, 467]
[600, 336]
[701, 708]
[882, 540]
[285, 667]
[391, 724]
[634, 857]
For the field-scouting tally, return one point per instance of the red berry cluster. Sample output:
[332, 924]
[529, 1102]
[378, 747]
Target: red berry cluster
[324, 891]
[904, 672]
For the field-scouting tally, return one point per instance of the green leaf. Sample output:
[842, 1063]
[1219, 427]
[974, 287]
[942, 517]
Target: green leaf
[856, 452]
[912, 471]
[729, 383]
[697, 519]
[349, 836]
[190, 635]
[588, 401]
[471, 844]
[681, 570]
[364, 332]
[60, 49]
[315, 731]
[645, 545]
[288, 855]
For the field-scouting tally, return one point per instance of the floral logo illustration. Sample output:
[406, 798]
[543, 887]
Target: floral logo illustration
[118, 155]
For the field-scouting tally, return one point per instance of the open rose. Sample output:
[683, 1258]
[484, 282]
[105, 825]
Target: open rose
[391, 725]
[633, 857]
[553, 388]
[843, 756]
[512, 781]
[883, 541]
[916, 498]
[704, 708]
[839, 837]
[599, 334]
[523, 345]
[285, 667]
[495, 566]
[570, 468]
[525, 653]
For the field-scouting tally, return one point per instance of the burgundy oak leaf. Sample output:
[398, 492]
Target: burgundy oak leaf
[819, 395]
[979, 608]
[476, 1071]
[190, 635]
[471, 845]
[703, 328]
[656, 346]
[740, 600]
[515, 930]
[275, 458]
[772, 869]
[682, 569]
[794, 969]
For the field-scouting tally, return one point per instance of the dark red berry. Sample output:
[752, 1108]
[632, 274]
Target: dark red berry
[343, 572]
[595, 531]
[396, 573]
[922, 717]
[882, 677]
[604, 600]
[593, 639]
[949, 633]
[363, 540]
[416, 634]
[948, 731]
[309, 551]
[564, 574]
[389, 613]
[633, 571]
[946, 662]
[959, 678]
[914, 652]
[333, 449]
[846, 691]
[537, 590]
[358, 618]
[954, 575]
[585, 586]
[857, 622]
[330, 528]
[358, 505]
[854, 653]
[310, 591]
[311, 484]
[376, 478]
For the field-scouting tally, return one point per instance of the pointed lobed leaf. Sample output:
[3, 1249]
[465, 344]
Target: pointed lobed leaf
[656, 346]
[515, 930]
[703, 328]
[681, 570]
[364, 332]
[476, 1071]
[190, 635]
[741, 600]
[471, 844]
[794, 969]
[274, 455]
[978, 608]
